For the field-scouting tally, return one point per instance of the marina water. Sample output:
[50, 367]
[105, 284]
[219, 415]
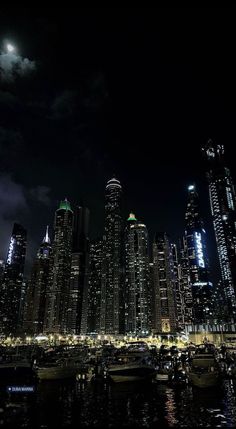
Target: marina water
[61, 404]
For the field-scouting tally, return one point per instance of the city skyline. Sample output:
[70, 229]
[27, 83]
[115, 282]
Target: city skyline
[128, 98]
[134, 284]
[131, 114]
[174, 233]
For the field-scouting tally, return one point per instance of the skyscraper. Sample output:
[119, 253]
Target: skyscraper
[57, 300]
[164, 286]
[195, 237]
[178, 291]
[223, 209]
[34, 314]
[185, 284]
[11, 290]
[92, 305]
[2, 268]
[111, 312]
[79, 270]
[136, 277]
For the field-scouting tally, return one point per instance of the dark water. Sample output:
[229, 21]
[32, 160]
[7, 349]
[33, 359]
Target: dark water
[71, 405]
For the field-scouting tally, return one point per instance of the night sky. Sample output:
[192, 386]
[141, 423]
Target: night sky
[93, 92]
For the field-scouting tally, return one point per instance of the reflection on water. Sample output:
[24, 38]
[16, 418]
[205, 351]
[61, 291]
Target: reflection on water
[64, 405]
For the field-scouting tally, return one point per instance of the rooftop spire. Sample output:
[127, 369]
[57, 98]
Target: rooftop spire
[131, 216]
[65, 205]
[113, 183]
[46, 238]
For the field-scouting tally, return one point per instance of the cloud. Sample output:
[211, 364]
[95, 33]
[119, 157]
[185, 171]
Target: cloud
[9, 101]
[12, 197]
[40, 194]
[9, 137]
[90, 97]
[64, 105]
[11, 148]
[13, 66]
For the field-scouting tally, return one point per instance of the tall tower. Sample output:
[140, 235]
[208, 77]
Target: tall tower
[11, 291]
[79, 270]
[195, 236]
[92, 306]
[111, 266]
[58, 294]
[185, 284]
[164, 285]
[136, 277]
[2, 268]
[223, 209]
[34, 314]
[178, 291]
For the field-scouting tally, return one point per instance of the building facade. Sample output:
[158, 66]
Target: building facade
[57, 300]
[165, 314]
[12, 283]
[223, 209]
[178, 290]
[92, 305]
[137, 320]
[195, 239]
[185, 284]
[35, 307]
[111, 292]
[79, 271]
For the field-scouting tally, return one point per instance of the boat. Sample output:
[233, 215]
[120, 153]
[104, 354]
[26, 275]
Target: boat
[59, 369]
[164, 369]
[130, 371]
[14, 368]
[204, 371]
[178, 376]
[133, 365]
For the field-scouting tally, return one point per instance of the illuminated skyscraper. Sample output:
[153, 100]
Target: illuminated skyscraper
[185, 284]
[57, 300]
[195, 238]
[136, 277]
[111, 312]
[179, 294]
[11, 290]
[92, 305]
[165, 315]
[79, 270]
[223, 209]
[34, 312]
[2, 268]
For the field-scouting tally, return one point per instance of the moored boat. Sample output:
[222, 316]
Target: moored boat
[164, 369]
[15, 368]
[60, 369]
[204, 370]
[133, 365]
[130, 372]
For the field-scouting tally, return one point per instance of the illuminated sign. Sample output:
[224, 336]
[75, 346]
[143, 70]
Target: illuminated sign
[200, 256]
[10, 251]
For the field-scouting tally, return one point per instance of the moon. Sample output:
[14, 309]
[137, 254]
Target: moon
[10, 47]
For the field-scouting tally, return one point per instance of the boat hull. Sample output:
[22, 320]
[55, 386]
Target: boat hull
[16, 373]
[56, 373]
[130, 373]
[208, 379]
[162, 377]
